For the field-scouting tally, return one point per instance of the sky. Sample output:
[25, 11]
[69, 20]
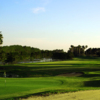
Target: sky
[50, 24]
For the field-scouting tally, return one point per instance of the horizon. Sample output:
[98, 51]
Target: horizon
[49, 24]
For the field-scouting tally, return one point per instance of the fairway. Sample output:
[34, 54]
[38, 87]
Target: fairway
[50, 77]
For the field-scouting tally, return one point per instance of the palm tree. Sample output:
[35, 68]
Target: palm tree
[86, 46]
[72, 48]
[1, 41]
[79, 49]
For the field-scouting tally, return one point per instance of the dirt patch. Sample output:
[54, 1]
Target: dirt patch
[71, 74]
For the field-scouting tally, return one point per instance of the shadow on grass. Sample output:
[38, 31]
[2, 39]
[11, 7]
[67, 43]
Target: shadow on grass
[92, 83]
[90, 75]
[44, 70]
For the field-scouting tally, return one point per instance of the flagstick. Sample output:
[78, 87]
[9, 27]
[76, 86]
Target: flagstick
[5, 77]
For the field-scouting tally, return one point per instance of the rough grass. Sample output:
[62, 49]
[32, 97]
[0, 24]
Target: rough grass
[42, 78]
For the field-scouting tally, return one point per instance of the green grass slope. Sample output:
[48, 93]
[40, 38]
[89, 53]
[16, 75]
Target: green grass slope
[43, 77]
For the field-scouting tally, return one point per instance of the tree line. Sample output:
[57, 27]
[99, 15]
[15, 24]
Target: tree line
[17, 53]
[93, 52]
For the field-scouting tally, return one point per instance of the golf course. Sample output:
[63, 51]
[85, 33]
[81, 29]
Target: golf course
[49, 50]
[48, 78]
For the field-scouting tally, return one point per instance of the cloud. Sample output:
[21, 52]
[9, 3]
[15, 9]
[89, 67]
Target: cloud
[38, 10]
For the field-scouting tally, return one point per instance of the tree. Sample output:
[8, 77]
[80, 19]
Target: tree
[70, 55]
[1, 41]
[10, 57]
[72, 48]
[79, 49]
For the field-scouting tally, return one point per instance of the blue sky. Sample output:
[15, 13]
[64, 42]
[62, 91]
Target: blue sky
[50, 24]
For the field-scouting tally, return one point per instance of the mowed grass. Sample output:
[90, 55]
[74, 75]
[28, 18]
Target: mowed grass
[43, 77]
[25, 86]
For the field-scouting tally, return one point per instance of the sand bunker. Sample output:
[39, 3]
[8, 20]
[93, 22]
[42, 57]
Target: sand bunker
[81, 95]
